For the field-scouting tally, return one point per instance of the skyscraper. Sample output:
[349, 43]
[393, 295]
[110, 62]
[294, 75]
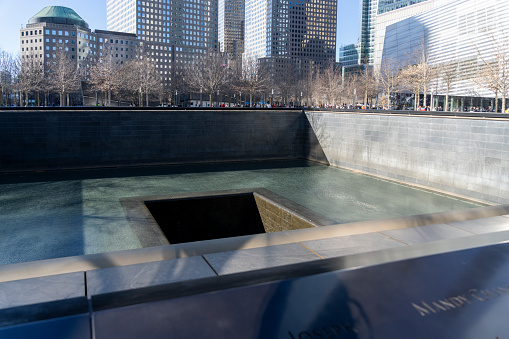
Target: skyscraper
[174, 31]
[299, 32]
[369, 10]
[231, 28]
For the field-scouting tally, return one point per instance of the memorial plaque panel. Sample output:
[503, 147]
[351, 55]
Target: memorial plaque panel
[462, 294]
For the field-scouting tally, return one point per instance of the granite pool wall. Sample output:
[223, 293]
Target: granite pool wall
[465, 154]
[40, 139]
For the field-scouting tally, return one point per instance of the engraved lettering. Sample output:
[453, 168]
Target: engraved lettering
[465, 299]
[291, 335]
[305, 335]
[439, 307]
[487, 293]
[503, 290]
[475, 296]
[428, 307]
[457, 301]
[422, 311]
[447, 304]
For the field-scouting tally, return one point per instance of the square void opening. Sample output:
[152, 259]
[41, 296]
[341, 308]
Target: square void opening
[205, 218]
[189, 217]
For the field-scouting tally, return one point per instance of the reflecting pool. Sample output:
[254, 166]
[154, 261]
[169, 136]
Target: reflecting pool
[66, 213]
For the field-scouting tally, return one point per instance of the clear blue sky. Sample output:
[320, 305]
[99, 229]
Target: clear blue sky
[14, 13]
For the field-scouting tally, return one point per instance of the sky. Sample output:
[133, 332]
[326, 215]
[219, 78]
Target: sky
[14, 14]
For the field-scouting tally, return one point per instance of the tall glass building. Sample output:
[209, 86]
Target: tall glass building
[231, 28]
[369, 11]
[299, 32]
[174, 31]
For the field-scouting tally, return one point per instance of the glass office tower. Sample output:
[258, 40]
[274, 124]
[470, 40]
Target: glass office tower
[369, 10]
[174, 31]
[299, 32]
[231, 28]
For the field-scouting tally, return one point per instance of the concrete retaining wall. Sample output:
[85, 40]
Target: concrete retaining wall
[55, 139]
[465, 156]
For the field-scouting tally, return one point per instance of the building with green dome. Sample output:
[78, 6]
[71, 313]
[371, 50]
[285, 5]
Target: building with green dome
[58, 28]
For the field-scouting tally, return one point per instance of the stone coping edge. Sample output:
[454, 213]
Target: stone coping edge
[151, 254]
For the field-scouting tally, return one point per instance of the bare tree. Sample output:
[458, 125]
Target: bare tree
[426, 72]
[9, 71]
[448, 72]
[409, 79]
[141, 76]
[104, 74]
[308, 85]
[208, 74]
[368, 83]
[255, 79]
[285, 80]
[31, 77]
[330, 83]
[63, 74]
[387, 77]
[351, 83]
[493, 71]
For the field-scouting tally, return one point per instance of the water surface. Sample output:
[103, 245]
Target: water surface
[66, 213]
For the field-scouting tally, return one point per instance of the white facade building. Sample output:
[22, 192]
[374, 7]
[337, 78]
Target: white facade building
[461, 35]
[391, 17]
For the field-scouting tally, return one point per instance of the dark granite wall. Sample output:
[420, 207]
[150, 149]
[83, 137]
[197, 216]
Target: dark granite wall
[53, 139]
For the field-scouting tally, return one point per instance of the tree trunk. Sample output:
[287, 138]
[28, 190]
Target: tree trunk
[146, 99]
[496, 101]
[109, 98]
[446, 104]
[210, 99]
[425, 99]
[250, 100]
